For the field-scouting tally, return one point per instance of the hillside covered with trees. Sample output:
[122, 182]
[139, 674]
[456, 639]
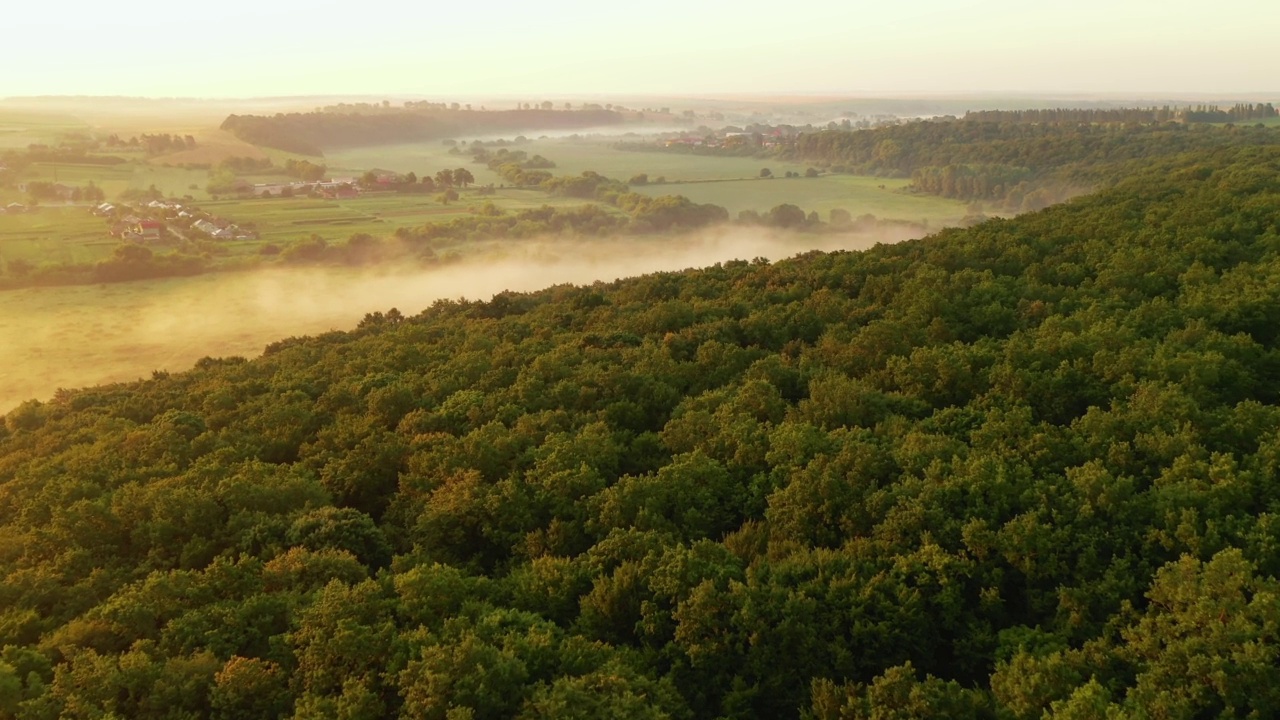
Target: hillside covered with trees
[311, 133]
[1017, 470]
[1007, 161]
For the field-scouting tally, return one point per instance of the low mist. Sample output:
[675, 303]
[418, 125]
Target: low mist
[78, 336]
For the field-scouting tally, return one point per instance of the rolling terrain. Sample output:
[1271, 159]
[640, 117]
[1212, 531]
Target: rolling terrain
[1025, 469]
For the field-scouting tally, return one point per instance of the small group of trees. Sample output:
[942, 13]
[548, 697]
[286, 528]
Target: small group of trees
[305, 170]
[45, 191]
[353, 126]
[810, 173]
[158, 144]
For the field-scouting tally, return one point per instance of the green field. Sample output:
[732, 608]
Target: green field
[87, 335]
[572, 157]
[20, 128]
[859, 195]
[286, 219]
[54, 235]
[115, 179]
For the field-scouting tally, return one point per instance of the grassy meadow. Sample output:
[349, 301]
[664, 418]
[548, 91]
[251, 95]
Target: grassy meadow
[64, 337]
[20, 128]
[572, 157]
[380, 214]
[859, 195]
[54, 235]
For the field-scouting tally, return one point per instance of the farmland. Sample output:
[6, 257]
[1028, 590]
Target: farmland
[859, 195]
[54, 234]
[572, 157]
[19, 129]
[73, 336]
[380, 214]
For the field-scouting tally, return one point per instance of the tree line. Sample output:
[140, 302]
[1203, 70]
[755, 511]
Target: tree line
[1239, 112]
[1021, 166]
[1020, 470]
[310, 133]
[152, 144]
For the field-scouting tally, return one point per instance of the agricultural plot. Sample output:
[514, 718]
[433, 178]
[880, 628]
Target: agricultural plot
[859, 195]
[87, 335]
[419, 158]
[54, 235]
[572, 157]
[283, 220]
[18, 128]
[115, 179]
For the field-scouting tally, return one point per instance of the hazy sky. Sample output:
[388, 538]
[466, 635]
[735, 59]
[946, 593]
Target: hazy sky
[238, 48]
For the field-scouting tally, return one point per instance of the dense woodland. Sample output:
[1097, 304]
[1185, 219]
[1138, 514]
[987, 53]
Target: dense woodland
[1022, 469]
[310, 133]
[1240, 112]
[1019, 165]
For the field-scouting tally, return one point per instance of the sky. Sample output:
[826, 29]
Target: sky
[548, 48]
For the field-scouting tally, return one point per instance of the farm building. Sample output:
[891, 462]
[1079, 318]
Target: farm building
[149, 230]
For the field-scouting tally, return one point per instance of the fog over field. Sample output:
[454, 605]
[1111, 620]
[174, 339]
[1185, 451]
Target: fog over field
[78, 336]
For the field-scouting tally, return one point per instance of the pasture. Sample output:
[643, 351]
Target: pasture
[571, 156]
[283, 220]
[54, 235]
[859, 195]
[20, 128]
[64, 337]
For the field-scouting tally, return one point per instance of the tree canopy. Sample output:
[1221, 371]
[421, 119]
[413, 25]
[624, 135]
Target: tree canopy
[1024, 469]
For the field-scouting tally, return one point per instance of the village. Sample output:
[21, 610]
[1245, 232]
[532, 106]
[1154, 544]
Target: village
[157, 220]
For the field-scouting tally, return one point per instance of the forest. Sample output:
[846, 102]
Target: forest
[1025, 469]
[1009, 160]
[312, 133]
[1240, 112]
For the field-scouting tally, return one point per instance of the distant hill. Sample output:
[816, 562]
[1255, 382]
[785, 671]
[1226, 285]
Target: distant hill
[1018, 470]
[312, 133]
[1019, 163]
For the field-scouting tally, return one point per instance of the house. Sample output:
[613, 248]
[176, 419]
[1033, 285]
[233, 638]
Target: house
[383, 177]
[341, 192]
[15, 208]
[149, 230]
[205, 227]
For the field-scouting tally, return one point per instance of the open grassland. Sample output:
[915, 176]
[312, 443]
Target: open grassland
[64, 337]
[115, 179]
[20, 128]
[380, 214]
[57, 234]
[859, 195]
[419, 158]
[213, 146]
[572, 157]
[54, 235]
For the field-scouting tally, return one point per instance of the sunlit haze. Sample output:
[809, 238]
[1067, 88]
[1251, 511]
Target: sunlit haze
[237, 48]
